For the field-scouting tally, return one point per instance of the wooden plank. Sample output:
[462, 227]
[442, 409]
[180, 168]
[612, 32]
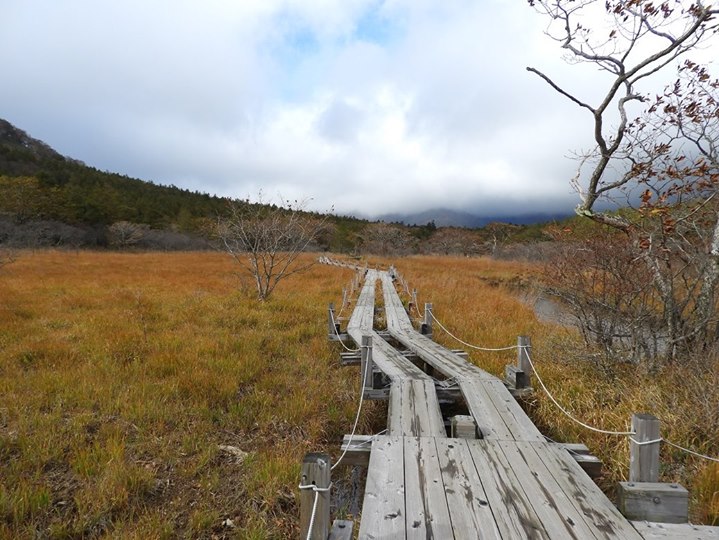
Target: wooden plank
[356, 450]
[585, 494]
[675, 531]
[400, 326]
[383, 509]
[394, 411]
[469, 508]
[414, 410]
[440, 358]
[512, 511]
[489, 422]
[427, 514]
[557, 513]
[516, 420]
[421, 415]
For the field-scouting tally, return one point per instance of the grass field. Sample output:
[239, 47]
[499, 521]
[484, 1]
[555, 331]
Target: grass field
[122, 374]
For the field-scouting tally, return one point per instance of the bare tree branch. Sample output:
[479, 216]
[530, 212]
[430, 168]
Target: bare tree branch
[266, 241]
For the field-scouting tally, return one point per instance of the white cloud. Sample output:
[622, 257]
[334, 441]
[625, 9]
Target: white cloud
[364, 105]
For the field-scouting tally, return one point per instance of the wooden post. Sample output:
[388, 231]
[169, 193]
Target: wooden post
[518, 377]
[643, 498]
[333, 328]
[412, 302]
[366, 364]
[524, 344]
[463, 426]
[316, 473]
[644, 458]
[427, 324]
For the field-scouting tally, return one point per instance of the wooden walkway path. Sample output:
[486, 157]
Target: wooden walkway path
[413, 408]
[509, 484]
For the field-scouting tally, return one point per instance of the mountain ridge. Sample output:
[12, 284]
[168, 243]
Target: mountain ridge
[446, 217]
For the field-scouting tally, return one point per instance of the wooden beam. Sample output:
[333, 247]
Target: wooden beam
[654, 501]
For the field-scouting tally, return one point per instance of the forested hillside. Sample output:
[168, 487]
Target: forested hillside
[47, 199]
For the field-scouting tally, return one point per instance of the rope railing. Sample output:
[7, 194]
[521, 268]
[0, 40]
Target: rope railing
[566, 413]
[339, 338]
[476, 347]
[608, 432]
[357, 416]
[564, 410]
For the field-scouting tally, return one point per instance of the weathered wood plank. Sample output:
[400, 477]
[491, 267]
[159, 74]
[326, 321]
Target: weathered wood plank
[394, 411]
[414, 410]
[427, 514]
[356, 450]
[400, 327]
[512, 511]
[489, 422]
[557, 513]
[585, 494]
[420, 410]
[517, 421]
[469, 509]
[383, 509]
[675, 531]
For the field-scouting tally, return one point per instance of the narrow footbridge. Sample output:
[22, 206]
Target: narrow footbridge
[492, 475]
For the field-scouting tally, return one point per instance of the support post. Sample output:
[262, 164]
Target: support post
[643, 498]
[463, 427]
[427, 324]
[518, 377]
[366, 364]
[412, 302]
[644, 458]
[315, 473]
[524, 344]
[333, 328]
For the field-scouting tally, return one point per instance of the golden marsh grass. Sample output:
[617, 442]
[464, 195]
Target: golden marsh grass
[121, 374]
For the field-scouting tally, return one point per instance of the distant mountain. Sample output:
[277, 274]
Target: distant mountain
[444, 217]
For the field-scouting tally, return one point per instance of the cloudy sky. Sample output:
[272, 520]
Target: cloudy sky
[368, 106]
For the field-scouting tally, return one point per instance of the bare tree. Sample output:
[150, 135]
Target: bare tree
[7, 256]
[385, 239]
[662, 159]
[266, 240]
[453, 241]
[125, 234]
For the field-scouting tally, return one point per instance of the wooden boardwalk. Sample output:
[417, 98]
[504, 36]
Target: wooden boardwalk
[413, 407]
[508, 484]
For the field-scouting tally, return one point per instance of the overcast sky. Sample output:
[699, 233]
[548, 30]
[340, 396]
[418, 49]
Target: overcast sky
[362, 105]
